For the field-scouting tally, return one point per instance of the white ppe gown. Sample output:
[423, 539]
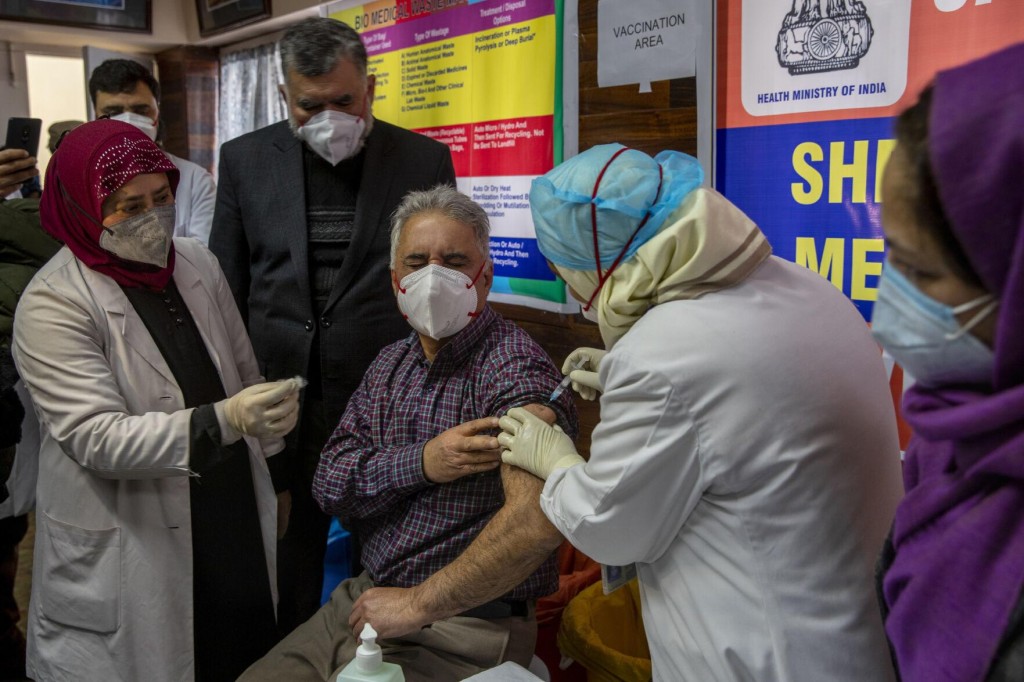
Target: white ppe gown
[194, 200]
[747, 460]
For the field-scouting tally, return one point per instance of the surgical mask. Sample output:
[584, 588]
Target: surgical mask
[143, 123]
[924, 337]
[143, 238]
[334, 135]
[583, 284]
[589, 313]
[438, 302]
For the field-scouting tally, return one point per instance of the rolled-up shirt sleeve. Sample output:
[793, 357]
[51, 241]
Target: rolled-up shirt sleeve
[358, 478]
[524, 375]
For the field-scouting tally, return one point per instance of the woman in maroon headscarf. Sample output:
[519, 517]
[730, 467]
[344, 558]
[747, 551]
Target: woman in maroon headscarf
[950, 309]
[156, 521]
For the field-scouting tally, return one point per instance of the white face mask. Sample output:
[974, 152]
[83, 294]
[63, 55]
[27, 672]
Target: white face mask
[334, 135]
[438, 302]
[589, 313]
[143, 123]
[924, 337]
[584, 284]
[143, 238]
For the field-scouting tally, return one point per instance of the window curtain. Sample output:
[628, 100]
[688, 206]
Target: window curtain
[249, 98]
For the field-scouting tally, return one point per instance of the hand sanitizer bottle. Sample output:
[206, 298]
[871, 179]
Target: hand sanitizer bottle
[369, 665]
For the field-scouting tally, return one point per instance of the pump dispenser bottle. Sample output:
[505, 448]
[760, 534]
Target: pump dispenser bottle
[369, 665]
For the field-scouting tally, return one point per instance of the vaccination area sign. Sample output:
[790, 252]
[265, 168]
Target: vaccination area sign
[645, 40]
[482, 77]
[807, 95]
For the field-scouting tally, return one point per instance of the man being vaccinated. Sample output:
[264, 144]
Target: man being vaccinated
[450, 538]
[301, 230]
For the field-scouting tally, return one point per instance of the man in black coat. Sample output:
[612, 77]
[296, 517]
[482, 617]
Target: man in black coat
[301, 230]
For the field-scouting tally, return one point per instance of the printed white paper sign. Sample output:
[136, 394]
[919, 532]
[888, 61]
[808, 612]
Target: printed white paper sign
[641, 41]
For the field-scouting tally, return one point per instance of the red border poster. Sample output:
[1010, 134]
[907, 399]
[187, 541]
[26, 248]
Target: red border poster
[806, 95]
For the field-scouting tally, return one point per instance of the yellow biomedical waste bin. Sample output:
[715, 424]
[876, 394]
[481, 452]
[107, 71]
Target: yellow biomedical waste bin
[605, 634]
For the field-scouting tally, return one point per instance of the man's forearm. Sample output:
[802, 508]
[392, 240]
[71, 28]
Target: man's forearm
[508, 550]
[356, 479]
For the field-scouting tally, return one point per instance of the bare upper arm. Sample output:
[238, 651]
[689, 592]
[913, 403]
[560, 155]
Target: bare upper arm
[542, 411]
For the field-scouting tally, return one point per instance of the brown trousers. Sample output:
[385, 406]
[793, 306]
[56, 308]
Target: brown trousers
[449, 650]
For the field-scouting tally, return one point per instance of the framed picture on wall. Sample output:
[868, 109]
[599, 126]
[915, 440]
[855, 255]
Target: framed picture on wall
[111, 15]
[217, 16]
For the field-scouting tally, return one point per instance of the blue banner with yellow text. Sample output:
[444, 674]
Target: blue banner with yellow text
[815, 188]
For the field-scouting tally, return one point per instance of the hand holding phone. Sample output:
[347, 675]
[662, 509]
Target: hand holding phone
[18, 155]
[16, 166]
[23, 133]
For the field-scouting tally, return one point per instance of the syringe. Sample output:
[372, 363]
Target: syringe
[567, 380]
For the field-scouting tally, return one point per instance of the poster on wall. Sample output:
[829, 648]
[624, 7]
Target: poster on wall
[483, 77]
[806, 97]
[807, 93]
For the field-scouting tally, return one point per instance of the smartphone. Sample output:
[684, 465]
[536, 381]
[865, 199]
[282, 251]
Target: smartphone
[23, 133]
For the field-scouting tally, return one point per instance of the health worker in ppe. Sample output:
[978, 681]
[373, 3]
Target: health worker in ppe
[950, 310]
[155, 514]
[746, 459]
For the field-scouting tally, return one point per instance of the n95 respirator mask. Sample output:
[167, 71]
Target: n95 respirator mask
[437, 301]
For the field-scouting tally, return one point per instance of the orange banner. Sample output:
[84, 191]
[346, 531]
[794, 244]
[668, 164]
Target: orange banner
[943, 33]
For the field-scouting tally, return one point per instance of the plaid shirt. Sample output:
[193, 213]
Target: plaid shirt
[371, 470]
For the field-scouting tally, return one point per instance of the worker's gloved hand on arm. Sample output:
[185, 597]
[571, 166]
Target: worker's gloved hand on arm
[268, 410]
[532, 444]
[584, 380]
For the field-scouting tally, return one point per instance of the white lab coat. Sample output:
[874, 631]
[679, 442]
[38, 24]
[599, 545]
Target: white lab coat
[194, 200]
[747, 460]
[112, 570]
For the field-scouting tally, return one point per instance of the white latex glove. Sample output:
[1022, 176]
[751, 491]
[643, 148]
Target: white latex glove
[531, 443]
[585, 380]
[268, 410]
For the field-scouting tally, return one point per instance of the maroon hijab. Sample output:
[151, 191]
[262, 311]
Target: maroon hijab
[959, 532]
[92, 162]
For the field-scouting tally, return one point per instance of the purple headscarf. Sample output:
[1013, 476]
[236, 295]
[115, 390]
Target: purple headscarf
[93, 161]
[959, 532]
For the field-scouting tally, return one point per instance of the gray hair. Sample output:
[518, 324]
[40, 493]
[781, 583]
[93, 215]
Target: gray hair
[314, 46]
[449, 202]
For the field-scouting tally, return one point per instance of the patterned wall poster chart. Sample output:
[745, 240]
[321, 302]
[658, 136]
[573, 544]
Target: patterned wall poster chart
[482, 77]
[807, 93]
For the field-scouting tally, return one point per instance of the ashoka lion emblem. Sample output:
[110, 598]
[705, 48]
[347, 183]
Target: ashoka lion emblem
[824, 35]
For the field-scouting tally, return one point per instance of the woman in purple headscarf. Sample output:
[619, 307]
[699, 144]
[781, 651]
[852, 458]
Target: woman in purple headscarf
[951, 311]
[155, 511]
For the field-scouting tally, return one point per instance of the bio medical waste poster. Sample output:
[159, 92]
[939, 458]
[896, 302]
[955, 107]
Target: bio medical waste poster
[807, 93]
[481, 76]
